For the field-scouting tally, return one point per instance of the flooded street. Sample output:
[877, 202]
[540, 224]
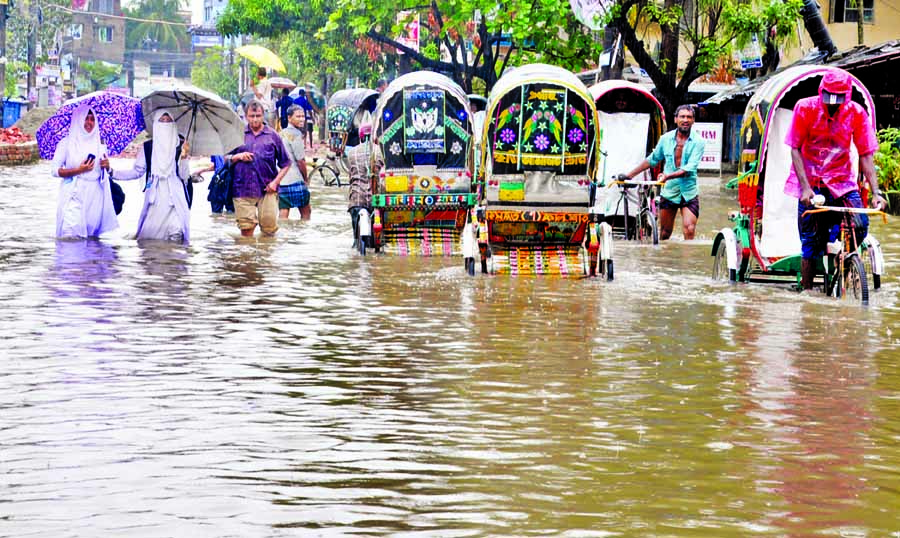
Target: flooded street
[290, 387]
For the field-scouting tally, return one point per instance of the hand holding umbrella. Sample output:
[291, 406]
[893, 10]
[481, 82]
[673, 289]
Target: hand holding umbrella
[118, 118]
[209, 123]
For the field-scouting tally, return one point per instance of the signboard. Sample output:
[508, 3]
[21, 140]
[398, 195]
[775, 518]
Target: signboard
[424, 120]
[199, 41]
[141, 70]
[410, 34]
[711, 133]
[751, 56]
[47, 71]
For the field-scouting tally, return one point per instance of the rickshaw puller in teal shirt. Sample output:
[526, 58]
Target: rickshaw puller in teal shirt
[680, 189]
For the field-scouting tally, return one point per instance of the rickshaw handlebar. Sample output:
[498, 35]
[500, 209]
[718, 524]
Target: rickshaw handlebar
[841, 209]
[637, 183]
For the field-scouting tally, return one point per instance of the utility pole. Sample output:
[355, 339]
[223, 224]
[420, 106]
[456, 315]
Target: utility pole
[3, 7]
[33, 22]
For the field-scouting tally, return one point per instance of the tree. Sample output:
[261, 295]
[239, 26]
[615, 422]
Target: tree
[100, 74]
[14, 71]
[215, 71]
[155, 35]
[475, 47]
[42, 16]
[291, 28]
[498, 34]
[708, 29]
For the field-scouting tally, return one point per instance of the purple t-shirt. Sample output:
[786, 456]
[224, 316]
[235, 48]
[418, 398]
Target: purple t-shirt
[269, 156]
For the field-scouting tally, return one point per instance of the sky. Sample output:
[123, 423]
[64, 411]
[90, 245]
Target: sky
[196, 9]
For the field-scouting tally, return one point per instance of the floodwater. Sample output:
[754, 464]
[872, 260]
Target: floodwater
[291, 387]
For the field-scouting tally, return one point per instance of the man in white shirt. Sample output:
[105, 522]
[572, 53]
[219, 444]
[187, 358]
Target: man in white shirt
[262, 89]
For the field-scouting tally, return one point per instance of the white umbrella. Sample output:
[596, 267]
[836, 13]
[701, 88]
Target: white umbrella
[282, 82]
[208, 122]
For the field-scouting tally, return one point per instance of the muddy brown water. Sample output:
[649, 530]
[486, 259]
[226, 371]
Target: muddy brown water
[293, 388]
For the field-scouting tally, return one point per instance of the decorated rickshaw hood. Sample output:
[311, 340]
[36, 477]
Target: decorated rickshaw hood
[423, 79]
[533, 73]
[354, 98]
[499, 111]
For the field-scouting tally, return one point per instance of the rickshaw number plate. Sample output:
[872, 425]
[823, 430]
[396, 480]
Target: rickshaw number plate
[396, 183]
[535, 216]
[510, 191]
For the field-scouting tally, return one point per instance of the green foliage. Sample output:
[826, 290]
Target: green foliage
[99, 74]
[23, 18]
[152, 35]
[709, 31]
[214, 71]
[431, 51]
[887, 159]
[14, 71]
[291, 29]
[543, 30]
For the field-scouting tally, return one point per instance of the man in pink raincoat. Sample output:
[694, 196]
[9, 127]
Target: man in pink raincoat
[821, 132]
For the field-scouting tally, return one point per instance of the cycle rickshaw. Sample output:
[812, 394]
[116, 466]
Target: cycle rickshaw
[422, 130]
[347, 111]
[539, 157]
[764, 244]
[631, 123]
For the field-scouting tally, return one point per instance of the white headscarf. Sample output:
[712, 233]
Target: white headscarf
[165, 140]
[80, 143]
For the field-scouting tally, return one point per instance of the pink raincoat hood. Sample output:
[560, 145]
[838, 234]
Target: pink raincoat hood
[838, 82]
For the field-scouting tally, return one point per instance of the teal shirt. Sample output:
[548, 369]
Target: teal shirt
[684, 188]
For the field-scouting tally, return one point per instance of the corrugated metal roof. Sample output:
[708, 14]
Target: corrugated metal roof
[853, 58]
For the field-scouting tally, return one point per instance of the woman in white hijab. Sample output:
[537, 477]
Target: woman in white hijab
[166, 214]
[85, 203]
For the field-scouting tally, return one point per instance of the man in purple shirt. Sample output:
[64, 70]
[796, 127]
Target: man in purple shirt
[259, 166]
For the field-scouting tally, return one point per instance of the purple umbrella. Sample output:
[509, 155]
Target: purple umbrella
[118, 117]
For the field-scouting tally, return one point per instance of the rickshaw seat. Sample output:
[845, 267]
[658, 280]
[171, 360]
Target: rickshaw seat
[623, 147]
[780, 235]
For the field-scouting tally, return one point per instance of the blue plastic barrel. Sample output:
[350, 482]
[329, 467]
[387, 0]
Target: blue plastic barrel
[11, 112]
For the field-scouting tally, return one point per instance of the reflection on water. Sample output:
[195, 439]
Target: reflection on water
[290, 387]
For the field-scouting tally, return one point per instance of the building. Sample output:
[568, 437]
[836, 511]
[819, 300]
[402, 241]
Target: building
[98, 34]
[881, 20]
[212, 9]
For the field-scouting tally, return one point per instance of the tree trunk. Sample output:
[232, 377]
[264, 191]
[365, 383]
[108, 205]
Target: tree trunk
[668, 53]
[609, 37]
[859, 22]
[325, 88]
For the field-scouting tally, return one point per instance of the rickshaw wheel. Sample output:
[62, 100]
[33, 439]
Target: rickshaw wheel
[649, 227]
[720, 264]
[325, 175]
[867, 264]
[854, 281]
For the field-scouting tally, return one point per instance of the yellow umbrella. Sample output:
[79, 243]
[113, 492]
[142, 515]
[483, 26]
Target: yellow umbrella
[261, 56]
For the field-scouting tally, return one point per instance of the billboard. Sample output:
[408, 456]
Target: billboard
[711, 133]
[410, 35]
